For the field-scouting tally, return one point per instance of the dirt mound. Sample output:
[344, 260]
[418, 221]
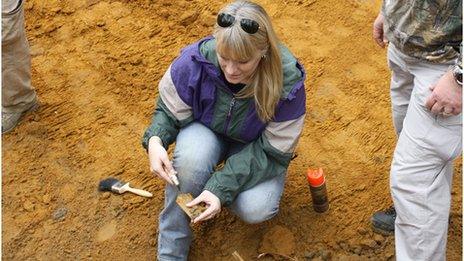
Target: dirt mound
[96, 65]
[278, 240]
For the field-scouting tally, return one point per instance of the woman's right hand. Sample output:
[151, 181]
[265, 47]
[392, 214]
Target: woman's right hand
[159, 160]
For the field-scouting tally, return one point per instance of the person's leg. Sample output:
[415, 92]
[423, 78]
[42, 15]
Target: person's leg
[18, 95]
[401, 86]
[261, 202]
[198, 150]
[421, 171]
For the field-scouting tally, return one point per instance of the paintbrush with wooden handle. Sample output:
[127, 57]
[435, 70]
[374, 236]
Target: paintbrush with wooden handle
[114, 185]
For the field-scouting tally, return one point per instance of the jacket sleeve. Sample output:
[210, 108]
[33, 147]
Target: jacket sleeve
[264, 158]
[171, 113]
[459, 60]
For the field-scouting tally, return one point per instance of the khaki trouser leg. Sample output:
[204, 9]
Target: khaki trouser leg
[401, 85]
[17, 92]
[421, 171]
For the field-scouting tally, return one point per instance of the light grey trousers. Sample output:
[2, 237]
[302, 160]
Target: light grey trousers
[17, 92]
[422, 167]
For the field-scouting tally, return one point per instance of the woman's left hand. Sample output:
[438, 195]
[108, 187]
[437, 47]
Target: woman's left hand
[212, 202]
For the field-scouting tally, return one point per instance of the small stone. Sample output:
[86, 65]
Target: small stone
[388, 255]
[28, 206]
[29, 5]
[46, 198]
[136, 61]
[310, 254]
[369, 244]
[155, 31]
[118, 212]
[36, 51]
[56, 9]
[378, 238]
[325, 254]
[362, 231]
[164, 13]
[68, 10]
[343, 245]
[136, 200]
[101, 23]
[106, 195]
[188, 17]
[60, 213]
[48, 28]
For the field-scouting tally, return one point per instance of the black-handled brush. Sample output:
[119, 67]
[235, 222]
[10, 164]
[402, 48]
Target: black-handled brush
[114, 185]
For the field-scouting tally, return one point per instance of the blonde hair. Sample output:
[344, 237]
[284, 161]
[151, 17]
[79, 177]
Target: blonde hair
[233, 42]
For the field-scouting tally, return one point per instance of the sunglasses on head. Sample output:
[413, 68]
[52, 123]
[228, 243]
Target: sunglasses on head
[248, 25]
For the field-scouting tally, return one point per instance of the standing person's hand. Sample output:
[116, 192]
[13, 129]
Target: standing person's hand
[159, 160]
[212, 202]
[445, 97]
[378, 32]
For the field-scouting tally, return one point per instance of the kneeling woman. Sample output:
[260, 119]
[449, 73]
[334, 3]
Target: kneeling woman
[236, 97]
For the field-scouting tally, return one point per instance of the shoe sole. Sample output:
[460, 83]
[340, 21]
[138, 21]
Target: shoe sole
[382, 232]
[33, 108]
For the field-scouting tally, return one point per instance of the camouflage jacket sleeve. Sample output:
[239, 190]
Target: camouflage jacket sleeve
[459, 60]
[427, 30]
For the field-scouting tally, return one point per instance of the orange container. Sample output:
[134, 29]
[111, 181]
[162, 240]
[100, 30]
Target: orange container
[318, 189]
[315, 177]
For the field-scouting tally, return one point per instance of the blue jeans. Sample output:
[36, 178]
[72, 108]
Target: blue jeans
[198, 150]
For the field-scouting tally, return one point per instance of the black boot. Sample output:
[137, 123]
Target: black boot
[383, 222]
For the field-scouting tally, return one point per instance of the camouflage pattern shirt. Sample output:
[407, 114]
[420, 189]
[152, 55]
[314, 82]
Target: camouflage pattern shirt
[425, 29]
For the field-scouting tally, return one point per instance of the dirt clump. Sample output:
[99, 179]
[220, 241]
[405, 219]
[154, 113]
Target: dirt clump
[278, 240]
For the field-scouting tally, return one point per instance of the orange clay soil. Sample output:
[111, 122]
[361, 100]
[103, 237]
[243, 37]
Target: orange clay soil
[96, 65]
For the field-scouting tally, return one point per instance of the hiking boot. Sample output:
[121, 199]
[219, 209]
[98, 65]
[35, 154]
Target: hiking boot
[11, 119]
[383, 222]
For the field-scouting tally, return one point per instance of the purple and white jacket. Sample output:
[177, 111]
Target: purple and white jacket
[193, 89]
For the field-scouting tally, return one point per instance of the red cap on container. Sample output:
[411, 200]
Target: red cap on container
[315, 177]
